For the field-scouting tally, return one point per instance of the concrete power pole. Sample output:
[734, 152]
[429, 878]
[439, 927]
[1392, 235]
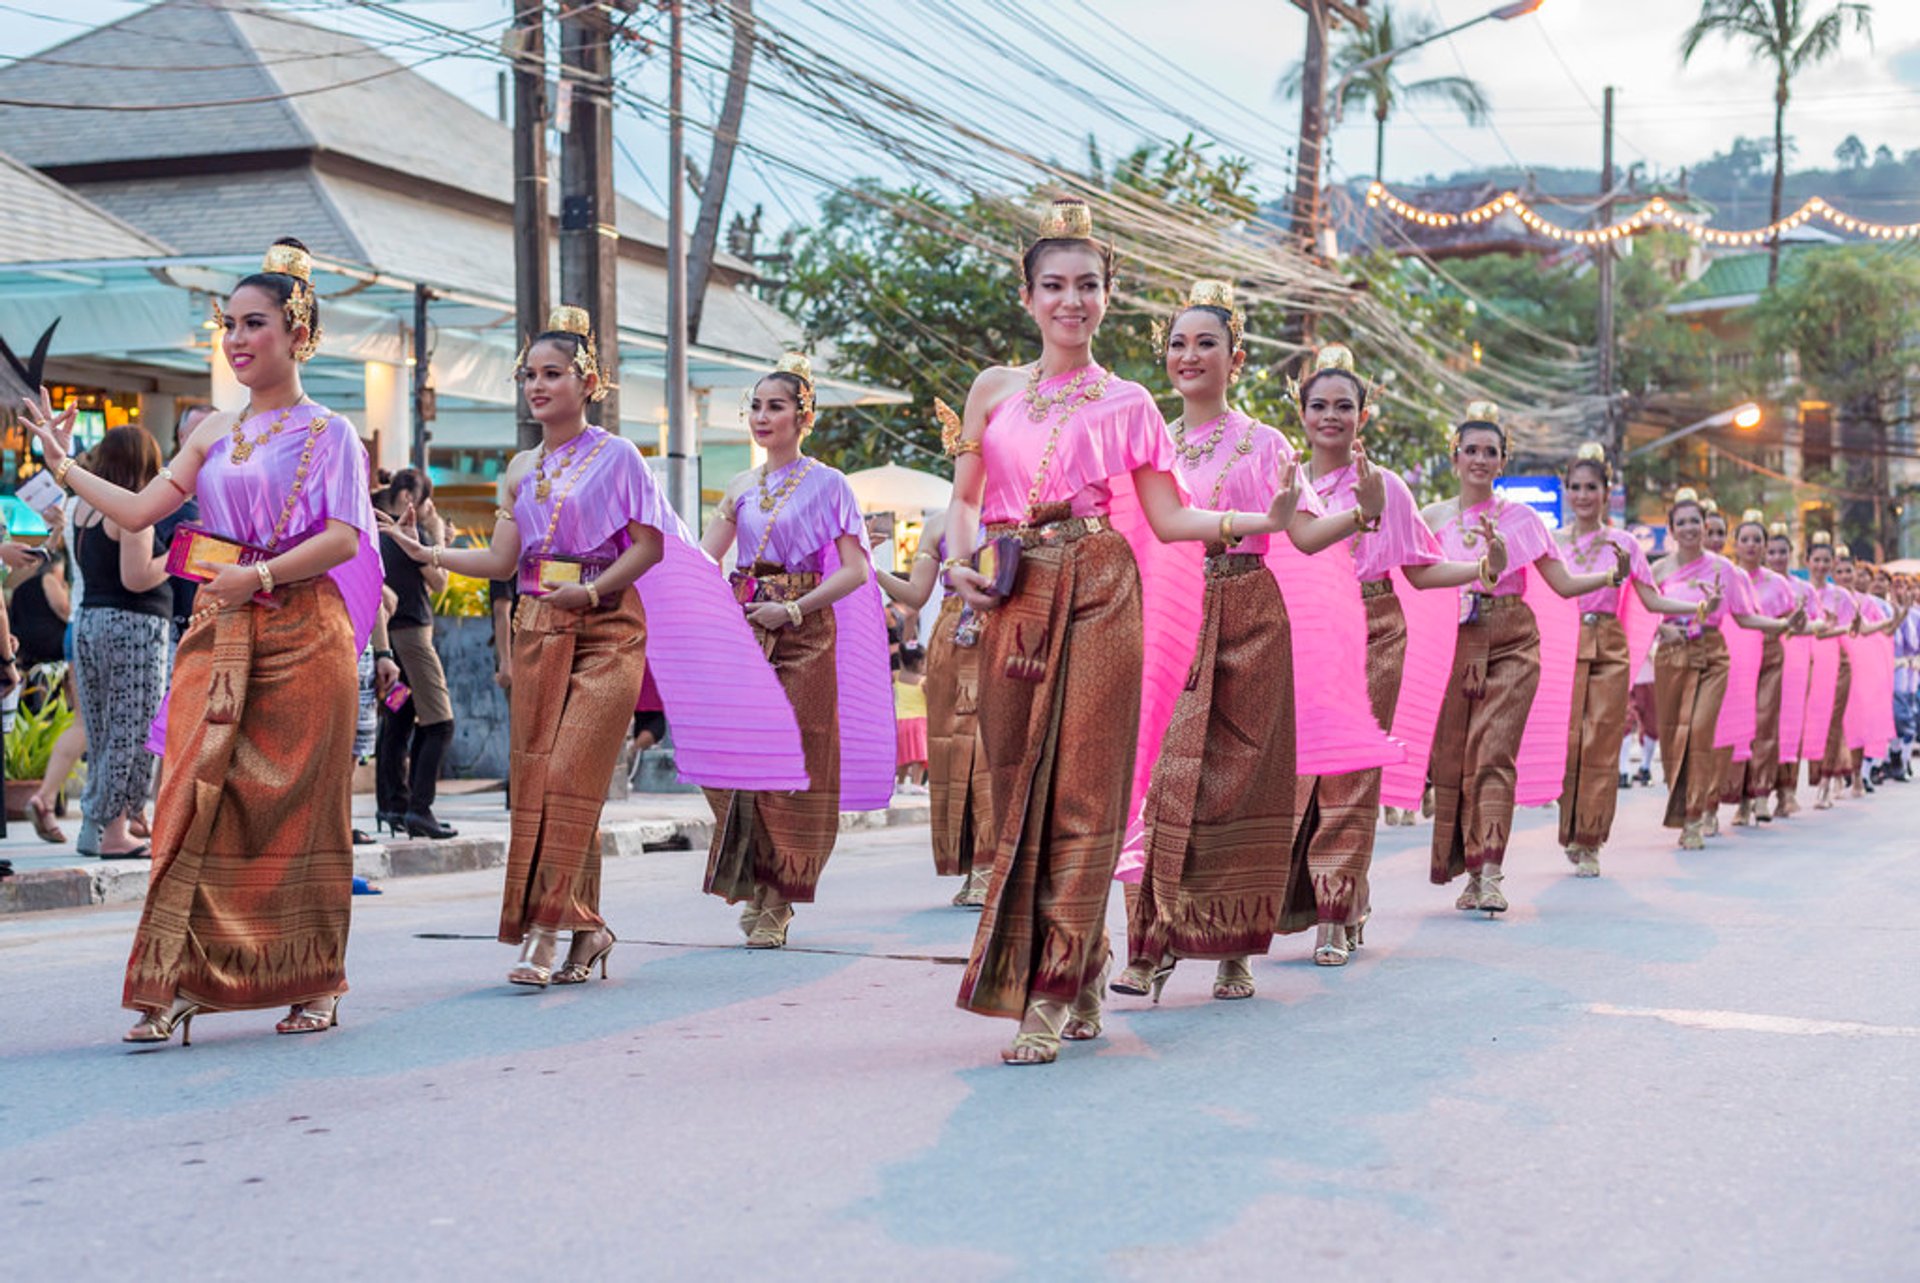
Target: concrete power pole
[1612, 431]
[530, 241]
[683, 439]
[589, 237]
[1311, 156]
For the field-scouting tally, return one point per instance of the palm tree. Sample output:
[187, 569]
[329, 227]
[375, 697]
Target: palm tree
[1377, 87]
[1780, 32]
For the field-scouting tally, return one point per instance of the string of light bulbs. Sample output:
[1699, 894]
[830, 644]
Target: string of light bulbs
[1655, 211]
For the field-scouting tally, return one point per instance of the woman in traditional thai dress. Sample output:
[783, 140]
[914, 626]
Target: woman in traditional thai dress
[960, 807]
[1786, 801]
[251, 890]
[1774, 600]
[1871, 703]
[610, 585]
[1337, 812]
[1692, 667]
[1732, 776]
[1610, 653]
[1089, 631]
[1498, 662]
[1841, 616]
[1214, 875]
[803, 579]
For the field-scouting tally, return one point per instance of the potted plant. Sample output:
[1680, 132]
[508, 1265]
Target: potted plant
[36, 725]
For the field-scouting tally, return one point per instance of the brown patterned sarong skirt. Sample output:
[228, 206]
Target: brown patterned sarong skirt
[1338, 813]
[252, 885]
[961, 799]
[576, 678]
[1602, 685]
[1496, 670]
[1690, 684]
[1219, 814]
[1763, 768]
[1838, 759]
[1059, 699]
[778, 838]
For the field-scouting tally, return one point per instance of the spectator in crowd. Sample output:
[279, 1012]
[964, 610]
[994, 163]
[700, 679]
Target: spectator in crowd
[120, 649]
[188, 514]
[413, 736]
[910, 718]
[40, 609]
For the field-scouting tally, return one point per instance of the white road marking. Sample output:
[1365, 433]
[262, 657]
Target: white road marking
[1750, 1022]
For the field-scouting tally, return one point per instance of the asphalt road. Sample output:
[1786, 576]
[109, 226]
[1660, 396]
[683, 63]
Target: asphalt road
[1698, 1067]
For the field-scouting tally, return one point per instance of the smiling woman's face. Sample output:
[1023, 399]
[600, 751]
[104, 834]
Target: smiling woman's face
[257, 343]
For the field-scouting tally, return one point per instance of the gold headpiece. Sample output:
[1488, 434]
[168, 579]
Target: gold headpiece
[1591, 452]
[1753, 516]
[1219, 294]
[1685, 494]
[1709, 506]
[1483, 412]
[570, 320]
[797, 364]
[575, 321]
[1334, 356]
[1821, 539]
[291, 260]
[1779, 530]
[1067, 219]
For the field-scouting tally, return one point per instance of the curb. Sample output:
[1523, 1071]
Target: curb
[77, 888]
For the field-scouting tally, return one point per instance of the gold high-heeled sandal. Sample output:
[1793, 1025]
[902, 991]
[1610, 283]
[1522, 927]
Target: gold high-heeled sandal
[307, 1018]
[973, 891]
[1356, 932]
[1330, 945]
[158, 1026]
[578, 969]
[1232, 979]
[1083, 1017]
[1469, 899]
[535, 966]
[1038, 1046]
[1692, 836]
[1135, 980]
[1162, 972]
[771, 930]
[1492, 899]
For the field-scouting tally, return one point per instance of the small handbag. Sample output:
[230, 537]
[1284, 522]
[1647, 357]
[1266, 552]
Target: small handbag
[192, 545]
[548, 572]
[998, 562]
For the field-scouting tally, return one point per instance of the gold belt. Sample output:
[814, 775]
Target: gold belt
[788, 587]
[1053, 532]
[1489, 603]
[1375, 588]
[1228, 565]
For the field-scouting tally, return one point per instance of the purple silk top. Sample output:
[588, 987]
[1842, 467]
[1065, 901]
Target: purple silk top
[1585, 554]
[1116, 434]
[1402, 539]
[1244, 480]
[1527, 536]
[244, 501]
[733, 726]
[1695, 580]
[1773, 594]
[821, 508]
[1906, 646]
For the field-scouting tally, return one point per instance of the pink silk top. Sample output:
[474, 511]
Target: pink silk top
[1695, 581]
[821, 508]
[1527, 536]
[1836, 604]
[1585, 554]
[733, 726]
[1773, 594]
[245, 501]
[1103, 439]
[1402, 539]
[1244, 480]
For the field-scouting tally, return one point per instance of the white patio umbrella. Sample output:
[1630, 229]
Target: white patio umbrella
[892, 488]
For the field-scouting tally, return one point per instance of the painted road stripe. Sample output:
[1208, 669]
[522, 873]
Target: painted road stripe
[1749, 1022]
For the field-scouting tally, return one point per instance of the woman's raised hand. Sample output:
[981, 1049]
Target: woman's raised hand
[55, 431]
[1496, 547]
[1369, 484]
[1287, 501]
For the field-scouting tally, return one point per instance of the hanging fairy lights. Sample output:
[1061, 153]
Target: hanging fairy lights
[1655, 211]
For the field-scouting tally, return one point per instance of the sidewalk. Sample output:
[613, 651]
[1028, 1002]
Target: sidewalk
[56, 877]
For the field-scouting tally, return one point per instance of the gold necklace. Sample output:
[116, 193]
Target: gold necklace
[542, 483]
[1198, 451]
[772, 499]
[1040, 407]
[553, 520]
[242, 448]
[1067, 407]
[1584, 557]
[1468, 536]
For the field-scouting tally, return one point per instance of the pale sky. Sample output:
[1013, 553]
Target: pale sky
[1544, 74]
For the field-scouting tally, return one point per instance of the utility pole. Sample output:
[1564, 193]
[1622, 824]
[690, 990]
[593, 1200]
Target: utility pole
[1604, 254]
[589, 237]
[683, 437]
[1310, 157]
[529, 187]
[423, 407]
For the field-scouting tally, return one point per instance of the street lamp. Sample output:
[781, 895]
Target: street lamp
[1504, 13]
[1746, 416]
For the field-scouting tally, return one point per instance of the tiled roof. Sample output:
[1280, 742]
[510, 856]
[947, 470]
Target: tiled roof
[219, 213]
[43, 222]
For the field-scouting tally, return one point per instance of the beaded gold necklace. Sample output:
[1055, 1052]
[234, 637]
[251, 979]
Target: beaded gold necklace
[1584, 555]
[1069, 398]
[1241, 450]
[319, 425]
[542, 482]
[242, 448]
[1199, 451]
[779, 497]
[1066, 406]
[572, 477]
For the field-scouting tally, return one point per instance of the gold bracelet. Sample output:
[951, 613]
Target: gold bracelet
[795, 613]
[593, 595]
[266, 576]
[955, 563]
[60, 472]
[433, 556]
[1226, 530]
[1487, 579]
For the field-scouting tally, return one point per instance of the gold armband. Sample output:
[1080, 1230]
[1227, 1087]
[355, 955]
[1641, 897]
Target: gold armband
[965, 446]
[504, 514]
[66, 466]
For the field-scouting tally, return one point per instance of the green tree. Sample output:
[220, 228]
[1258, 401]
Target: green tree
[1851, 153]
[1378, 89]
[1784, 33]
[1846, 315]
